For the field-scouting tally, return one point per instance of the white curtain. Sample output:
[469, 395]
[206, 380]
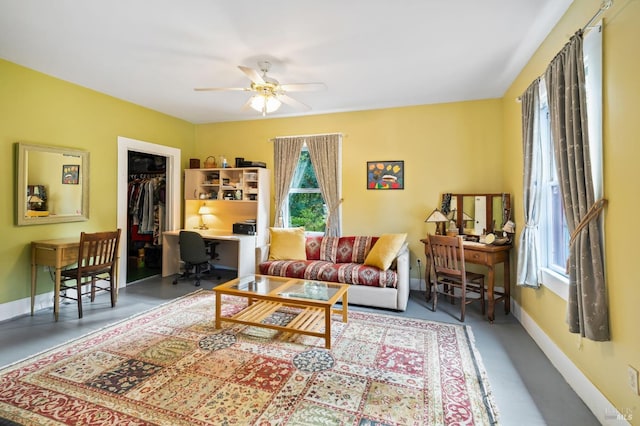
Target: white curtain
[529, 248]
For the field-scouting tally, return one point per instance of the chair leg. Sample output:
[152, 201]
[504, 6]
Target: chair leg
[93, 288]
[482, 300]
[113, 290]
[434, 303]
[463, 303]
[79, 290]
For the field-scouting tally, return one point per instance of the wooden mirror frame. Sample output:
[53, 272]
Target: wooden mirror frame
[505, 203]
[78, 180]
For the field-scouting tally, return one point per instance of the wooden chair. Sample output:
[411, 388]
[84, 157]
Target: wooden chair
[451, 277]
[97, 261]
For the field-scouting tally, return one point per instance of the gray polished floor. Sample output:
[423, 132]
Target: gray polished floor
[527, 388]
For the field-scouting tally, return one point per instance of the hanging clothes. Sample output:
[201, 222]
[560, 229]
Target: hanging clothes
[147, 197]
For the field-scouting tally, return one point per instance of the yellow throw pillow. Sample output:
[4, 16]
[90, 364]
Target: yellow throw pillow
[385, 250]
[287, 244]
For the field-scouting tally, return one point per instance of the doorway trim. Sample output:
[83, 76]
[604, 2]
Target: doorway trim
[173, 217]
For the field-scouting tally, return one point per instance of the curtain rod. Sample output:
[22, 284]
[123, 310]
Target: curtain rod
[307, 136]
[606, 4]
[603, 7]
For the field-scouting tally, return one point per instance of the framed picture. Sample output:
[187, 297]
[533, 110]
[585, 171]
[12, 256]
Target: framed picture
[70, 174]
[385, 174]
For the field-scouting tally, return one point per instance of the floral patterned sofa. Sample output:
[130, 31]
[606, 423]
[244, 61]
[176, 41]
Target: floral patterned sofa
[342, 259]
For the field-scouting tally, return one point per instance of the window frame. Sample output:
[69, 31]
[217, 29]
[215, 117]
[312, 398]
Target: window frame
[286, 214]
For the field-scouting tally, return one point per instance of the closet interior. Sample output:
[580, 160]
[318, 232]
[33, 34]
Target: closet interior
[146, 218]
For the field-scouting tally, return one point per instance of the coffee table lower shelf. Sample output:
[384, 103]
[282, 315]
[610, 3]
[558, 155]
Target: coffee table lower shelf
[310, 321]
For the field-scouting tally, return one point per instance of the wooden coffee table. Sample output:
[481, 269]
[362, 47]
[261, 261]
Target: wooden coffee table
[266, 294]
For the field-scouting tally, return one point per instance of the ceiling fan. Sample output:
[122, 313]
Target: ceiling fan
[269, 93]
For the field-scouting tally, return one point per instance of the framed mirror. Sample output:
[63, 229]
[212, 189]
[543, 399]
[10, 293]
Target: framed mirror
[52, 184]
[477, 214]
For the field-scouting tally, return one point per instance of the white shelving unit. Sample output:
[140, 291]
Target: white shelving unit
[232, 195]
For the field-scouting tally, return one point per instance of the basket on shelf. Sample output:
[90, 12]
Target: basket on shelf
[210, 162]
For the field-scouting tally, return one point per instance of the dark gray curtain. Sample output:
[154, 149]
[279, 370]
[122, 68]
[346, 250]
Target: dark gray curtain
[588, 312]
[529, 248]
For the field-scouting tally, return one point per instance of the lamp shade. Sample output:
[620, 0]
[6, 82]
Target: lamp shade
[204, 209]
[436, 216]
[265, 103]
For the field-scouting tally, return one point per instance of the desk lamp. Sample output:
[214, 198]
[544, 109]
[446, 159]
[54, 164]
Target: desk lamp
[439, 219]
[202, 211]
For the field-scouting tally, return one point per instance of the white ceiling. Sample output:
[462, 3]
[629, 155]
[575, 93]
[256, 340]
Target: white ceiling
[369, 53]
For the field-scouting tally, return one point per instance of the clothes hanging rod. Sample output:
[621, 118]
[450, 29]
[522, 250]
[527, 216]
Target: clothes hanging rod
[308, 136]
[603, 7]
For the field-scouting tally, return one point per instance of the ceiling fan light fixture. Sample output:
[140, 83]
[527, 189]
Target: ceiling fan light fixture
[265, 103]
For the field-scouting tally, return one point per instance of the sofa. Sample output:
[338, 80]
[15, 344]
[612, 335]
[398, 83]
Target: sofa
[377, 268]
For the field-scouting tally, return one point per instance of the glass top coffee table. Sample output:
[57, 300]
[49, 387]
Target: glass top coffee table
[315, 301]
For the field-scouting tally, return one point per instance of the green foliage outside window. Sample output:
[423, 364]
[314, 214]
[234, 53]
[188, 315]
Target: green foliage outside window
[306, 205]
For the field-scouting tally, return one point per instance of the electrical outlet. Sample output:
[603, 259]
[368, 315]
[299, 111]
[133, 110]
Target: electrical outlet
[633, 379]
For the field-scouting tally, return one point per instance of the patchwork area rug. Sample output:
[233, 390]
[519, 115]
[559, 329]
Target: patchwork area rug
[170, 366]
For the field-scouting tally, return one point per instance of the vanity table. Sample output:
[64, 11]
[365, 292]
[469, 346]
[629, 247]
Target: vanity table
[474, 215]
[56, 253]
[486, 255]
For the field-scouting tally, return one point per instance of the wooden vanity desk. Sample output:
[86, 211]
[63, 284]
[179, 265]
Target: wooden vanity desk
[56, 253]
[487, 255]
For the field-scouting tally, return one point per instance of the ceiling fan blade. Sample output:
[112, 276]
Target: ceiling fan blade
[247, 105]
[303, 87]
[253, 75]
[285, 99]
[222, 89]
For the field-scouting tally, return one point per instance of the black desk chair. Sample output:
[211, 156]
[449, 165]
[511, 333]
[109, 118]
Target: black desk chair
[195, 255]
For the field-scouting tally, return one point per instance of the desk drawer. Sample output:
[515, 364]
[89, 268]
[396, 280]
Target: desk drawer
[476, 257]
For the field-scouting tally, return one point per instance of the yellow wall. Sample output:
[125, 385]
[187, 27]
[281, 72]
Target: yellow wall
[605, 364]
[446, 148]
[458, 147]
[38, 109]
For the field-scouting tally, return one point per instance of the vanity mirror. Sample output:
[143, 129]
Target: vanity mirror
[477, 214]
[52, 184]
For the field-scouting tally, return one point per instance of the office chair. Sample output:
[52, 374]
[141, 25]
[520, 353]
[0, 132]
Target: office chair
[97, 261]
[447, 263]
[194, 254]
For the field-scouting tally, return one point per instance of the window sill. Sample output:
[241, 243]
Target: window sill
[555, 282]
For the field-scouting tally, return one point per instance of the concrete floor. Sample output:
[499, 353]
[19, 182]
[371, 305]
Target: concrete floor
[527, 388]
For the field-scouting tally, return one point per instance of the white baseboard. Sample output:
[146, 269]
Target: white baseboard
[23, 306]
[599, 405]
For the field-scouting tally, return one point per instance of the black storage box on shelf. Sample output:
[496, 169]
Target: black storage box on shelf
[244, 163]
[246, 228]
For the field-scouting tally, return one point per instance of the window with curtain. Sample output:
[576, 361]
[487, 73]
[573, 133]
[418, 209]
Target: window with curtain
[305, 204]
[554, 233]
[308, 183]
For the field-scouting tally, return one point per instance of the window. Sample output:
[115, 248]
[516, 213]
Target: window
[305, 205]
[554, 233]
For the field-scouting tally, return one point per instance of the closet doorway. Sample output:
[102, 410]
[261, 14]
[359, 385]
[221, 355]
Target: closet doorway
[148, 204]
[146, 214]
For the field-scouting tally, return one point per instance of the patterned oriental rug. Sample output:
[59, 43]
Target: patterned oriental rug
[170, 366]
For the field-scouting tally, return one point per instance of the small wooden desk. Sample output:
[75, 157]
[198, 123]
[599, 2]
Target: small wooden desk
[486, 255]
[56, 253]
